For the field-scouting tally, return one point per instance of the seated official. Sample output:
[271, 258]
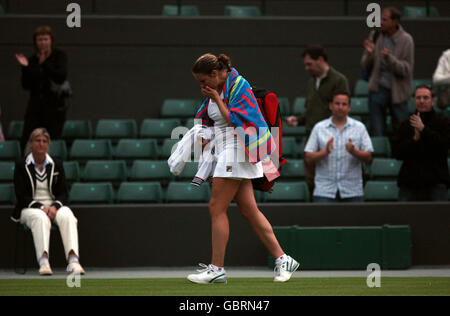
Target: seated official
[41, 192]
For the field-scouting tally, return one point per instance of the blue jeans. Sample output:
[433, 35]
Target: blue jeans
[379, 102]
[337, 199]
[436, 193]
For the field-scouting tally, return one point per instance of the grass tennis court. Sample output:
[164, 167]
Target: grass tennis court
[235, 287]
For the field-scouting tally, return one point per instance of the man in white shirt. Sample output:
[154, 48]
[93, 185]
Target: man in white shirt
[338, 145]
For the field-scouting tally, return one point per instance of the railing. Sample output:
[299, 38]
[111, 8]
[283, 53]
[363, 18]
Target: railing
[263, 6]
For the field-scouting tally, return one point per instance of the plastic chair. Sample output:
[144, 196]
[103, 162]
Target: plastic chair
[383, 168]
[289, 147]
[89, 193]
[419, 12]
[361, 88]
[299, 106]
[242, 11]
[285, 106]
[158, 128]
[360, 106]
[167, 147]
[7, 171]
[179, 108]
[85, 149]
[381, 146]
[72, 171]
[15, 130]
[185, 10]
[137, 149]
[293, 169]
[144, 170]
[58, 148]
[178, 192]
[76, 129]
[7, 194]
[10, 150]
[115, 129]
[140, 192]
[288, 192]
[105, 170]
[381, 191]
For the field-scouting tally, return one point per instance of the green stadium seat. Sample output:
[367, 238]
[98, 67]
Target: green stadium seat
[58, 148]
[293, 169]
[185, 10]
[381, 191]
[288, 192]
[189, 171]
[361, 88]
[89, 193]
[140, 192]
[385, 168]
[145, 170]
[158, 128]
[178, 192]
[360, 106]
[190, 123]
[289, 147]
[166, 148]
[419, 12]
[285, 106]
[381, 146]
[179, 108]
[10, 150]
[105, 170]
[72, 171]
[294, 131]
[15, 130]
[86, 149]
[76, 129]
[115, 129]
[7, 194]
[418, 82]
[7, 171]
[299, 106]
[137, 149]
[242, 11]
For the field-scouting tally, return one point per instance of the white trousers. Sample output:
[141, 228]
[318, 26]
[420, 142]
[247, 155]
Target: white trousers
[40, 226]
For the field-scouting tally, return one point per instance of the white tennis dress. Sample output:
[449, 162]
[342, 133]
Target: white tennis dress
[232, 162]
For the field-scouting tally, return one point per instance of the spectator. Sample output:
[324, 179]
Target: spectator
[337, 146]
[41, 192]
[319, 92]
[41, 73]
[390, 62]
[441, 79]
[422, 143]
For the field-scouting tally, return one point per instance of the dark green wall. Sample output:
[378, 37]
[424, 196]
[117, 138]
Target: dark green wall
[179, 235]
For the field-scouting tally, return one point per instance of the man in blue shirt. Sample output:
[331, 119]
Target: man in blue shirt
[338, 146]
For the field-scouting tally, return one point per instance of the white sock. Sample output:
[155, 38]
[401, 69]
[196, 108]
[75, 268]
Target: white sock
[73, 258]
[43, 260]
[216, 268]
[280, 259]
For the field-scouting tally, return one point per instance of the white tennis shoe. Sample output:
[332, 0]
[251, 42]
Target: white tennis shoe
[207, 275]
[285, 269]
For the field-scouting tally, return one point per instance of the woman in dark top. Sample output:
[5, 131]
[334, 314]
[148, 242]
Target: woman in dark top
[41, 71]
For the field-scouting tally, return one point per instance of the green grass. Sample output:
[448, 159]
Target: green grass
[235, 287]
